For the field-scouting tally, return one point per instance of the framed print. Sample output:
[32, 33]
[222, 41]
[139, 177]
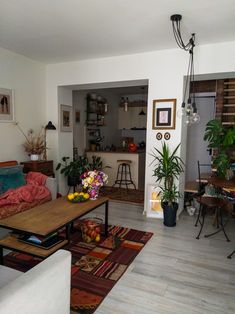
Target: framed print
[6, 105]
[154, 208]
[65, 118]
[164, 114]
[77, 116]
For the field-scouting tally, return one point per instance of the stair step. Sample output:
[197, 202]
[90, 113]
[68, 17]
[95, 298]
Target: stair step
[229, 105]
[228, 114]
[229, 90]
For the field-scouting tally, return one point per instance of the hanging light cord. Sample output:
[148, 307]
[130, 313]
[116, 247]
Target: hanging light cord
[175, 19]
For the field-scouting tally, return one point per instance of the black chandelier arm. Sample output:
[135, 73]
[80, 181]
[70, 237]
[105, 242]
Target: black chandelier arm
[192, 73]
[187, 79]
[178, 37]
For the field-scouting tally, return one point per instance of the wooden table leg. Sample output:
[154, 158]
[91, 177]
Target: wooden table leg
[106, 218]
[68, 227]
[1, 255]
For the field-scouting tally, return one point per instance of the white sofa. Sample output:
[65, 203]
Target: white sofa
[43, 289]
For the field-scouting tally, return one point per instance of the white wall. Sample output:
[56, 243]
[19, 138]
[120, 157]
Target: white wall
[164, 69]
[28, 80]
[65, 139]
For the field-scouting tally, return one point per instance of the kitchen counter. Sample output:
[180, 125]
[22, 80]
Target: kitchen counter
[118, 151]
[110, 159]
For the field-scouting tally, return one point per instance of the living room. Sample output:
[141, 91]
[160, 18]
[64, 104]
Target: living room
[173, 261]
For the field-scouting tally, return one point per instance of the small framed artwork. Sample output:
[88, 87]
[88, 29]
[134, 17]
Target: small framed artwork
[154, 208]
[77, 116]
[164, 114]
[159, 136]
[6, 105]
[167, 136]
[65, 118]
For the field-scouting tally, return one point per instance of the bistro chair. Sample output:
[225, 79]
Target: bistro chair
[208, 204]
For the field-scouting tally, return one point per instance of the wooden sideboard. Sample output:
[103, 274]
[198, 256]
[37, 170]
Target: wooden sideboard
[43, 166]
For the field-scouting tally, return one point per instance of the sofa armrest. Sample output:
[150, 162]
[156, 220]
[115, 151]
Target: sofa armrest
[51, 184]
[43, 289]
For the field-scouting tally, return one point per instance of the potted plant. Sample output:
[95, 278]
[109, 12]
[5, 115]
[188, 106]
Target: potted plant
[35, 144]
[73, 169]
[167, 168]
[222, 139]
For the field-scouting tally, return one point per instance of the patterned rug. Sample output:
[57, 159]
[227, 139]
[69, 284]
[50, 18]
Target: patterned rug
[95, 267]
[123, 195]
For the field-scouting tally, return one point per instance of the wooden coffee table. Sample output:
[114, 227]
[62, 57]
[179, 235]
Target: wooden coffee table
[44, 220]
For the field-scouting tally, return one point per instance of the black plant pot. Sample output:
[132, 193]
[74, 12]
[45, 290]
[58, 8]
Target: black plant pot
[169, 214]
[73, 181]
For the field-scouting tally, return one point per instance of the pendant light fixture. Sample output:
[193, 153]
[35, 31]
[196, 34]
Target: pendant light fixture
[142, 113]
[125, 103]
[188, 110]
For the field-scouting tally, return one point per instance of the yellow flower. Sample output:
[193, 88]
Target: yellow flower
[75, 193]
[81, 193]
[70, 196]
[86, 196]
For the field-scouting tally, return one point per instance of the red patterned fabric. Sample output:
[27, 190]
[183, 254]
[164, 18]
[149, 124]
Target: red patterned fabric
[9, 210]
[25, 197]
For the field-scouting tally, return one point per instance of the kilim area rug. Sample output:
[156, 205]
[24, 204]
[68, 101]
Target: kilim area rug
[95, 267]
[123, 195]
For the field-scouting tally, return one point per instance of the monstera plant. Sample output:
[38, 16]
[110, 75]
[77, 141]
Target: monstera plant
[222, 140]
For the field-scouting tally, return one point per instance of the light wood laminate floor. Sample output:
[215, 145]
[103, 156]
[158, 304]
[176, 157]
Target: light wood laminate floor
[174, 273]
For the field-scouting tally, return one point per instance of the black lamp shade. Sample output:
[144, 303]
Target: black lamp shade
[50, 126]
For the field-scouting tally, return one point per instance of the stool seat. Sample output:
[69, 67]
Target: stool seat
[125, 161]
[124, 173]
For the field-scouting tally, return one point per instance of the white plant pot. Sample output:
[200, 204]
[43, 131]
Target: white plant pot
[34, 157]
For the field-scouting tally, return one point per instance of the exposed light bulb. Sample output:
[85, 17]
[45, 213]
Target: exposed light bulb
[181, 111]
[105, 107]
[126, 104]
[195, 118]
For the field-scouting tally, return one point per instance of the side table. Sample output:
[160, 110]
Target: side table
[43, 166]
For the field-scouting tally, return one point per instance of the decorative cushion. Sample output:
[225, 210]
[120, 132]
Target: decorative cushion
[11, 178]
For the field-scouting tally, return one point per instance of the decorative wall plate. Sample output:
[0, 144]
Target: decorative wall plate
[167, 136]
[159, 136]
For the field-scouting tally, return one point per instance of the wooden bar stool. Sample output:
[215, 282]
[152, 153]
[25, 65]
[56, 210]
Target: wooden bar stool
[124, 174]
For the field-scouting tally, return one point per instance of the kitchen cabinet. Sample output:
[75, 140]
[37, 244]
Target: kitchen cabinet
[131, 119]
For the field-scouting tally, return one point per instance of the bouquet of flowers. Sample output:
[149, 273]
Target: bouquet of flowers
[92, 181]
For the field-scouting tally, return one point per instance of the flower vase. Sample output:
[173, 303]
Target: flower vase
[93, 194]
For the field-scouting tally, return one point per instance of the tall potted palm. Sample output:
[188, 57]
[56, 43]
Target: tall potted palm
[167, 168]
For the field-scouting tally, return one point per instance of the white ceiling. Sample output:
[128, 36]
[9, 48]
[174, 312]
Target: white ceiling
[54, 31]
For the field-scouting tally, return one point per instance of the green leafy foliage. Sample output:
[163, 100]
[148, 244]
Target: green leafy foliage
[73, 168]
[223, 139]
[167, 168]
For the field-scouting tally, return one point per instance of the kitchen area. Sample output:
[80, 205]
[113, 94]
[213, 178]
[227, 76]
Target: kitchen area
[111, 123]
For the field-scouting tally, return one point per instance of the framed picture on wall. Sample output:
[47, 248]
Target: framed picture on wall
[77, 116]
[6, 105]
[65, 118]
[164, 111]
[154, 208]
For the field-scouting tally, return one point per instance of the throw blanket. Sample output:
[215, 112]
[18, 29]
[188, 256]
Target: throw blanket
[34, 190]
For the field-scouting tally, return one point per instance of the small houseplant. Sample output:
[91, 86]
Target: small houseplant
[73, 169]
[167, 168]
[222, 139]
